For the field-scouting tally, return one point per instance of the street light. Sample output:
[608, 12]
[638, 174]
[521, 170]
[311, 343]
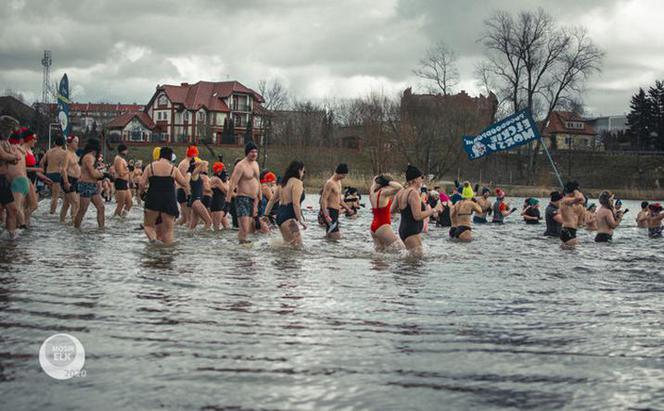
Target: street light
[50, 127]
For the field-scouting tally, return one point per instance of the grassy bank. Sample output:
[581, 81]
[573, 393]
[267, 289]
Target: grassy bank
[320, 164]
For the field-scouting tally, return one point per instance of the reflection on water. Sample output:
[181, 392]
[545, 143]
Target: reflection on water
[510, 320]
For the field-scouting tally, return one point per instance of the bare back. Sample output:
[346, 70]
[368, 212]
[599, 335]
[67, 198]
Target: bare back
[54, 159]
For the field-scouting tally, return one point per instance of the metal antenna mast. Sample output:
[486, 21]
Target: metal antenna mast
[46, 84]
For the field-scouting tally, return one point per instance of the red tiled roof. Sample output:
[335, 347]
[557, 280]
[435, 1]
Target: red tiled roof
[206, 94]
[557, 124]
[122, 120]
[101, 107]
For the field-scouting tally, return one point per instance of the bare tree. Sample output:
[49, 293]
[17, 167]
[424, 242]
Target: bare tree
[537, 64]
[439, 67]
[275, 97]
[274, 94]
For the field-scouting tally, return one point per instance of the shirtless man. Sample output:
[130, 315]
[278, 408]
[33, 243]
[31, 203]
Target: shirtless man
[655, 217]
[88, 188]
[183, 192]
[245, 185]
[8, 156]
[52, 162]
[642, 216]
[572, 212]
[331, 202]
[606, 218]
[17, 175]
[485, 205]
[122, 192]
[71, 172]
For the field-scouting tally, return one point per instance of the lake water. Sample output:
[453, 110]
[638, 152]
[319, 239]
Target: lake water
[508, 321]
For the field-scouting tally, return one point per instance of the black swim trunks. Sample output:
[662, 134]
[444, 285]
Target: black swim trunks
[6, 196]
[73, 185]
[603, 238]
[567, 234]
[121, 185]
[333, 226]
[182, 196]
[655, 232]
[244, 206]
[459, 230]
[207, 200]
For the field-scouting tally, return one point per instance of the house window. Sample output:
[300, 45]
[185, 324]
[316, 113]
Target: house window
[201, 116]
[185, 116]
[162, 101]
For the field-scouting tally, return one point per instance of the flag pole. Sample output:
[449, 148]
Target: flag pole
[555, 169]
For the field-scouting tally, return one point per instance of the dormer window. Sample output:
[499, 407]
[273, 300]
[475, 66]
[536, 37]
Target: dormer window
[162, 100]
[574, 125]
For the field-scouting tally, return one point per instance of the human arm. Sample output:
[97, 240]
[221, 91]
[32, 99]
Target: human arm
[272, 201]
[323, 201]
[416, 208]
[296, 195]
[392, 188]
[179, 178]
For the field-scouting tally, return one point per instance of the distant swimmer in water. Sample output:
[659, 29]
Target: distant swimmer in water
[501, 209]
[531, 214]
[590, 218]
[183, 191]
[485, 204]
[290, 195]
[331, 202]
[412, 211]
[218, 207]
[122, 177]
[607, 218]
[71, 172]
[197, 168]
[655, 218]
[572, 212]
[552, 217]
[52, 162]
[642, 216]
[245, 185]
[161, 208]
[462, 213]
[381, 197]
[88, 188]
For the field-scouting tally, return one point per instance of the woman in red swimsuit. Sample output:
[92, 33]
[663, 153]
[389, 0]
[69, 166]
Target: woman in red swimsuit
[381, 196]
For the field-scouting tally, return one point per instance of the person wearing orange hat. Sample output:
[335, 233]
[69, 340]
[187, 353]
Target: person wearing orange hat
[197, 178]
[183, 192]
[268, 186]
[218, 205]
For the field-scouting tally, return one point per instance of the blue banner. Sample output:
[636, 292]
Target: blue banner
[63, 105]
[513, 131]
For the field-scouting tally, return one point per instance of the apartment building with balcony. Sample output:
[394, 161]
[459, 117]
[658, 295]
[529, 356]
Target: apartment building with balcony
[214, 112]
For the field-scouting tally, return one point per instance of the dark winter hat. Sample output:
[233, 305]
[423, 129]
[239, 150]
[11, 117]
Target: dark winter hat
[556, 196]
[250, 146]
[342, 169]
[570, 187]
[412, 173]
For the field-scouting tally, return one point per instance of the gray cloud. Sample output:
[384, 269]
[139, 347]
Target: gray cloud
[120, 50]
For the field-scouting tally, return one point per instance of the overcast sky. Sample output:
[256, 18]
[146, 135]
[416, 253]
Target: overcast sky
[119, 50]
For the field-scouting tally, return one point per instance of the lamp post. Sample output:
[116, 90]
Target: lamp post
[50, 127]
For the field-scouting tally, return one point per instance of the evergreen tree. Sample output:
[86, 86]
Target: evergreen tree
[249, 131]
[640, 119]
[656, 97]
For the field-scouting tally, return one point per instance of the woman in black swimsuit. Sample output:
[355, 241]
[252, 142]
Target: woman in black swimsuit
[413, 211]
[161, 207]
[219, 184]
[290, 196]
[197, 169]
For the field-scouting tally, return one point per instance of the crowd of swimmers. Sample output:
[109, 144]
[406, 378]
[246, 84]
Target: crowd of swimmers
[193, 192]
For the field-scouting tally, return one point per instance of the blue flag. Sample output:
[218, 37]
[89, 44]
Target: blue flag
[63, 105]
[513, 131]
